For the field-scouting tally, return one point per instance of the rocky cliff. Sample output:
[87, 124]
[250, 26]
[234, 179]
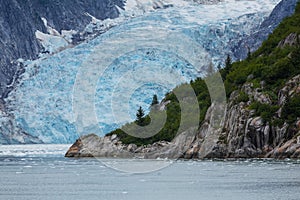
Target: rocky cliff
[241, 134]
[252, 42]
[245, 135]
[20, 19]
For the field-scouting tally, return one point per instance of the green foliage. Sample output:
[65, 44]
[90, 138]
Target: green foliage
[266, 111]
[167, 133]
[278, 122]
[291, 110]
[272, 95]
[154, 100]
[270, 63]
[256, 84]
[282, 69]
[295, 54]
[243, 97]
[140, 117]
[173, 110]
[203, 96]
[227, 68]
[248, 54]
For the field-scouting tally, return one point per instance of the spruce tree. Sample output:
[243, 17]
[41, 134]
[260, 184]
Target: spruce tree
[248, 54]
[227, 68]
[154, 100]
[228, 62]
[140, 116]
[295, 54]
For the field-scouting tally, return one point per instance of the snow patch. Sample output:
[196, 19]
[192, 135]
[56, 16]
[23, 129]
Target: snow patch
[50, 30]
[53, 41]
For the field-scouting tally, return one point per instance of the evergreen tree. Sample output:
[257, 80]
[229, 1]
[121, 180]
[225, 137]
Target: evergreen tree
[228, 62]
[248, 54]
[154, 100]
[140, 116]
[227, 68]
[295, 54]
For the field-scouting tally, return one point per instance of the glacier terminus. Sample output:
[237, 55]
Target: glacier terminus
[113, 73]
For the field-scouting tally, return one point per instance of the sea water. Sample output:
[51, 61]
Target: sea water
[41, 172]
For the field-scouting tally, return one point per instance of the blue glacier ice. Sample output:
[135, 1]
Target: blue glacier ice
[108, 77]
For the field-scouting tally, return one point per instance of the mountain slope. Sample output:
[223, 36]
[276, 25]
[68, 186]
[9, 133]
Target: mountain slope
[20, 19]
[284, 9]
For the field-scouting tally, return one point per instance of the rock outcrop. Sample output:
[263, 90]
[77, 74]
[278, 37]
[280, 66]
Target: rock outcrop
[244, 135]
[241, 134]
[20, 19]
[110, 146]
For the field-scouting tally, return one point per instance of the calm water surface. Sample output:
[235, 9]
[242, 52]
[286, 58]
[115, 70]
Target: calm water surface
[41, 172]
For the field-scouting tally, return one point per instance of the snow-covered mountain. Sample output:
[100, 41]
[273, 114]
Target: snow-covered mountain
[97, 85]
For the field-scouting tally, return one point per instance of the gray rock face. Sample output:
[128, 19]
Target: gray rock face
[244, 135]
[284, 9]
[21, 18]
[110, 146]
[291, 40]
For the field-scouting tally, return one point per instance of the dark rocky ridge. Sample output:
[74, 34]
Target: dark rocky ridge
[21, 18]
[284, 9]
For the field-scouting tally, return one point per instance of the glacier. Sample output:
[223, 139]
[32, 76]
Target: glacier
[98, 85]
